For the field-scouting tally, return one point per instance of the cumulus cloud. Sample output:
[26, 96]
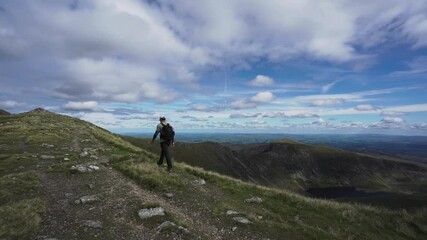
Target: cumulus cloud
[319, 121]
[261, 80]
[327, 102]
[366, 107]
[263, 97]
[81, 106]
[392, 120]
[419, 126]
[275, 115]
[133, 57]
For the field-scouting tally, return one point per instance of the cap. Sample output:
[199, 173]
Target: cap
[162, 118]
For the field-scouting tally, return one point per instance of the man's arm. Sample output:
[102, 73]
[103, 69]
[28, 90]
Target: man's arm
[155, 136]
[156, 133]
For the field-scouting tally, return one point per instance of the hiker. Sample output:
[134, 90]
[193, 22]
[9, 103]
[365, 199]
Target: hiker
[166, 139]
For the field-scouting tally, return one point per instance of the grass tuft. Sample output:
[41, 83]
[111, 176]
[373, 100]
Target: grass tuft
[13, 185]
[20, 219]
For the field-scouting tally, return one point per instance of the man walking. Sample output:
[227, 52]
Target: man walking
[166, 139]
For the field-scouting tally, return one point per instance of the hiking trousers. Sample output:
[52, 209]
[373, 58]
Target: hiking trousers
[165, 154]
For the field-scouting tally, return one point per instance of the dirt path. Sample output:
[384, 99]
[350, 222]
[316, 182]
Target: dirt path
[119, 200]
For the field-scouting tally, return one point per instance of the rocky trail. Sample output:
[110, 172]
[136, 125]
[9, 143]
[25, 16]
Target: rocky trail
[101, 203]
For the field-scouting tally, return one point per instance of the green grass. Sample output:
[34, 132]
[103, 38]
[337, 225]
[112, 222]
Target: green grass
[20, 219]
[15, 185]
[149, 175]
[287, 215]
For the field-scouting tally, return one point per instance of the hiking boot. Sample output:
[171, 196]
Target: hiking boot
[169, 170]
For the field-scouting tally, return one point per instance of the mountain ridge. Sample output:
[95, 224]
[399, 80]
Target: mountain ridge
[282, 164]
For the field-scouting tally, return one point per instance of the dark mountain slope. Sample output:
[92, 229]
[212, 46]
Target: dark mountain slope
[4, 113]
[296, 166]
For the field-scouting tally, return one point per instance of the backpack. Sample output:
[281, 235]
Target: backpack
[167, 132]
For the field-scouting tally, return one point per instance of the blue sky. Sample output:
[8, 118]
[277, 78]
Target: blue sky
[220, 66]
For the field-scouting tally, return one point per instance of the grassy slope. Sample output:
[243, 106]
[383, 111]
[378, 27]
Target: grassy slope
[282, 215]
[288, 164]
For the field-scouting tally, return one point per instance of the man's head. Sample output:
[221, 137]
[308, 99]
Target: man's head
[162, 119]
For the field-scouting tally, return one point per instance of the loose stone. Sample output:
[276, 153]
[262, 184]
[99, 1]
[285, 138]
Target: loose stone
[151, 212]
[242, 220]
[253, 200]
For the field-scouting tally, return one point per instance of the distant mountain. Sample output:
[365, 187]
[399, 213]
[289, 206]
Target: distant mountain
[413, 148]
[4, 113]
[288, 164]
[40, 110]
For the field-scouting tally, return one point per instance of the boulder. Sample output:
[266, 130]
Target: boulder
[242, 220]
[151, 212]
[200, 181]
[83, 168]
[170, 225]
[87, 199]
[253, 200]
[231, 212]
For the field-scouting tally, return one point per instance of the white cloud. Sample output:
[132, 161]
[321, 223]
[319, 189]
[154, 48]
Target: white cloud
[256, 122]
[416, 29]
[245, 115]
[121, 81]
[261, 80]
[10, 104]
[366, 107]
[263, 97]
[419, 126]
[416, 66]
[327, 102]
[304, 115]
[241, 104]
[125, 45]
[392, 120]
[275, 115]
[205, 108]
[81, 106]
[392, 113]
[327, 87]
[319, 121]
